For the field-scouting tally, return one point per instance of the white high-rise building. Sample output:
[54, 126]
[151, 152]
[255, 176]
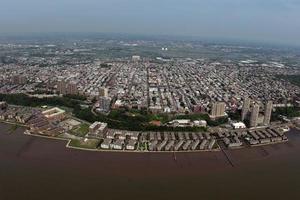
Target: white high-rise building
[104, 104]
[218, 110]
[245, 108]
[103, 92]
[254, 115]
[268, 113]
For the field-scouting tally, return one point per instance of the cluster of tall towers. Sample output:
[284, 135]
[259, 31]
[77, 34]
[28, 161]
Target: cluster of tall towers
[251, 111]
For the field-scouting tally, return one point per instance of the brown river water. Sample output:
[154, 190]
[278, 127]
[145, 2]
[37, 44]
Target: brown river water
[37, 168]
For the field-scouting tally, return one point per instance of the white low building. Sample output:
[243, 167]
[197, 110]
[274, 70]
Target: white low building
[187, 123]
[118, 145]
[200, 123]
[131, 145]
[238, 125]
[106, 143]
[180, 123]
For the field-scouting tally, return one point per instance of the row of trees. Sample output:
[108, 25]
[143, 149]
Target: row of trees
[294, 79]
[135, 120]
[25, 100]
[289, 112]
[121, 119]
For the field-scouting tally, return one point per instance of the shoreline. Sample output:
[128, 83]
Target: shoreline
[112, 151]
[219, 149]
[68, 141]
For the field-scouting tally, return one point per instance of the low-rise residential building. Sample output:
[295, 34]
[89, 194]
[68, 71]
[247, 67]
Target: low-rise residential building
[106, 143]
[55, 114]
[131, 145]
[97, 127]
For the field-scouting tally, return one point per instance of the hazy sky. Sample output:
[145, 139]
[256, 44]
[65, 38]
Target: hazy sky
[268, 20]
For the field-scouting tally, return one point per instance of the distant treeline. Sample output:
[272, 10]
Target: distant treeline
[289, 112]
[25, 100]
[122, 119]
[294, 79]
[75, 96]
[134, 120]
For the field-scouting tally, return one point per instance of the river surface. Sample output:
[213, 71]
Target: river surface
[37, 168]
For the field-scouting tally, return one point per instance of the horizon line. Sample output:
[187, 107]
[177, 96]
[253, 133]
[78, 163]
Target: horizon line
[170, 37]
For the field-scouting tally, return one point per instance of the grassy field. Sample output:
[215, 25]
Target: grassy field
[81, 130]
[87, 144]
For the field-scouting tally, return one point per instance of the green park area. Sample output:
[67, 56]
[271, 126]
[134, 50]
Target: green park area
[140, 120]
[124, 119]
[85, 143]
[289, 112]
[81, 130]
[25, 100]
[294, 79]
